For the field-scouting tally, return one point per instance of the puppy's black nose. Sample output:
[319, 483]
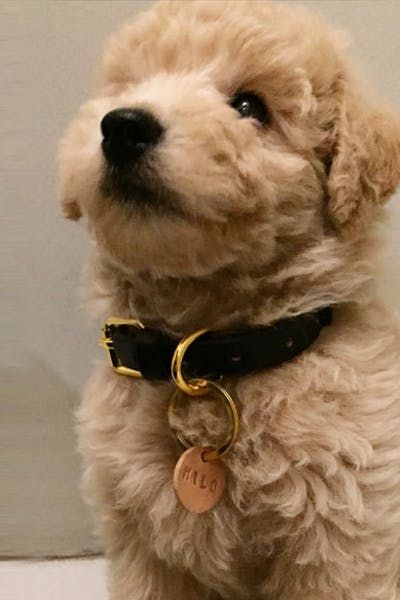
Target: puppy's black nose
[128, 133]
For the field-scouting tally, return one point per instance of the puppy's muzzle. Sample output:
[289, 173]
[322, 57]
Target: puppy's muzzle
[128, 135]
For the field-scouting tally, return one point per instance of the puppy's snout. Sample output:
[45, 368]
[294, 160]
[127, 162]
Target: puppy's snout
[128, 134]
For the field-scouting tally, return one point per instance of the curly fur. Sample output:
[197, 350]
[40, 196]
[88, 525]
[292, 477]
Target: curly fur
[262, 223]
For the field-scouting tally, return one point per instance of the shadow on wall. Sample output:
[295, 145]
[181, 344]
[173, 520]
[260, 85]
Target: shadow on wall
[41, 512]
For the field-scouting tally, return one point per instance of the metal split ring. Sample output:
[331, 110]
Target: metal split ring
[231, 410]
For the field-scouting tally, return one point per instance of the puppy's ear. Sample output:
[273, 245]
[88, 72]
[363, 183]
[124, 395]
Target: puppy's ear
[70, 209]
[365, 160]
[66, 191]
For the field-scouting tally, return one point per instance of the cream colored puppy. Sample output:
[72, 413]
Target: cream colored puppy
[231, 172]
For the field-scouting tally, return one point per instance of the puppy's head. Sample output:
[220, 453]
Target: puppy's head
[225, 133]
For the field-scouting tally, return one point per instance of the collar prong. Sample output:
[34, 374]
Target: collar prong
[105, 343]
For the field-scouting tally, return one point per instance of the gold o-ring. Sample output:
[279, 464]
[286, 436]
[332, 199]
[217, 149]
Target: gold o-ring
[188, 387]
[233, 416]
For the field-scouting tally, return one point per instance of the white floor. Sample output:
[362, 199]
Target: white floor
[78, 579]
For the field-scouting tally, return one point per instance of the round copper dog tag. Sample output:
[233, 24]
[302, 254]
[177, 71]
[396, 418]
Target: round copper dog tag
[199, 484]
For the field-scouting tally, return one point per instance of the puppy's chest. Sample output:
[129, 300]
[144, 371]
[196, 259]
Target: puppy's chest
[284, 432]
[294, 437]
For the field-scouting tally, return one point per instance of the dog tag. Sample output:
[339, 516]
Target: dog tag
[199, 484]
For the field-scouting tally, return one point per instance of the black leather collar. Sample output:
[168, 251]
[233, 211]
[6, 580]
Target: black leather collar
[146, 352]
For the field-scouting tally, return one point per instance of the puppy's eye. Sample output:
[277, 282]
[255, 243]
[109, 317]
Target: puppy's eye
[249, 106]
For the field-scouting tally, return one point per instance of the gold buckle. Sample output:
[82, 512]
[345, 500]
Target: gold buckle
[107, 343]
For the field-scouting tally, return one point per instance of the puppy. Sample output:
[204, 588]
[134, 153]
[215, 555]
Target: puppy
[232, 172]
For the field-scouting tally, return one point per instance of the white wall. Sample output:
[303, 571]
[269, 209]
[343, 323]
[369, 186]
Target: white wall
[51, 53]
[51, 56]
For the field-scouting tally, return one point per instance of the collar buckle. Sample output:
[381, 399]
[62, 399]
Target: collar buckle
[107, 342]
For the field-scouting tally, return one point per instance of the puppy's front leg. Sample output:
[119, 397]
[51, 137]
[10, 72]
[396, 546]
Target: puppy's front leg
[355, 568]
[134, 574]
